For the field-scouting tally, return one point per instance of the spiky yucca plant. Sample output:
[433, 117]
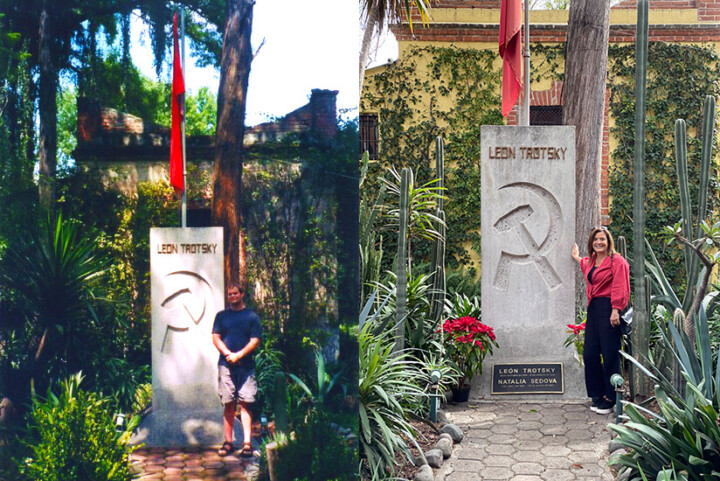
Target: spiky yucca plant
[388, 389]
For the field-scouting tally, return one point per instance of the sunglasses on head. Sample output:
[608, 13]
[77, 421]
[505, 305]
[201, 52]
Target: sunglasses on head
[600, 227]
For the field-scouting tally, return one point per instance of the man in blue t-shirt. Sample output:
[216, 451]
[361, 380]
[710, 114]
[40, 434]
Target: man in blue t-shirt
[236, 333]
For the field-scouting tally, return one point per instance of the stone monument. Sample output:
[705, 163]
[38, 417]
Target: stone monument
[528, 274]
[187, 290]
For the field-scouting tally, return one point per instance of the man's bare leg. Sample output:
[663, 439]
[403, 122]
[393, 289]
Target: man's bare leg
[246, 420]
[228, 421]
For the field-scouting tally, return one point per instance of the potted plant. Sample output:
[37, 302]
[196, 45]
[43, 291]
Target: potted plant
[467, 341]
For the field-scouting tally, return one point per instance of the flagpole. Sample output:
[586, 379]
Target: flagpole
[183, 208]
[525, 108]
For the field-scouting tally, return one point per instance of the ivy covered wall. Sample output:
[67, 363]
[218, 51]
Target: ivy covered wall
[679, 78]
[433, 91]
[452, 91]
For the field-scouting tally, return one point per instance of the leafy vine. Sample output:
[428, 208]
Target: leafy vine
[433, 91]
[452, 91]
[679, 78]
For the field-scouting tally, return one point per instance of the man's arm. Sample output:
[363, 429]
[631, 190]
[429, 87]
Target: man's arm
[217, 342]
[249, 347]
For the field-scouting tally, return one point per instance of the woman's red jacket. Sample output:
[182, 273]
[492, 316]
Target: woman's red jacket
[610, 279]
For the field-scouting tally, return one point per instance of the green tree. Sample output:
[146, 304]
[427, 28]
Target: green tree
[59, 36]
[201, 113]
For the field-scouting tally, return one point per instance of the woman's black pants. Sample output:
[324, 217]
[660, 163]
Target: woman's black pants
[601, 338]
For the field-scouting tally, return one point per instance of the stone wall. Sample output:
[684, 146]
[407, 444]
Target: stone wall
[319, 115]
[128, 150]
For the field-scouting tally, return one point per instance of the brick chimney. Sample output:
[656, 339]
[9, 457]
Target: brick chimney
[323, 112]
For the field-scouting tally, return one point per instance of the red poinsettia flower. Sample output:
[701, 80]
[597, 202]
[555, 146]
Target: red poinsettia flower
[577, 328]
[467, 341]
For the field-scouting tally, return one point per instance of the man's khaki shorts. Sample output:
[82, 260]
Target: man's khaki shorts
[234, 385]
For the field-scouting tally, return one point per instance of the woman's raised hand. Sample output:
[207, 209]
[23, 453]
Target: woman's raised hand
[576, 253]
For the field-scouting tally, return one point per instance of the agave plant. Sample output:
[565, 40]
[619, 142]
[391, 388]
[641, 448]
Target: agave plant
[704, 303]
[389, 393]
[53, 275]
[324, 385]
[682, 439]
[685, 435]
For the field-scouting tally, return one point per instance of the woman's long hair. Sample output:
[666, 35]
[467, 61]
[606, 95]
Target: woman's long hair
[591, 238]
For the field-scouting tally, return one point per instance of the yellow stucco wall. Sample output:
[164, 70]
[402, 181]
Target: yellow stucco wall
[617, 17]
[473, 16]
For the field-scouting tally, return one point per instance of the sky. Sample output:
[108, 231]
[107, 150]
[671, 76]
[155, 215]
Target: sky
[310, 44]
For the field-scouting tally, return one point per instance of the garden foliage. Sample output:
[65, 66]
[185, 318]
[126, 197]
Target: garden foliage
[73, 437]
[437, 91]
[685, 74]
[389, 391]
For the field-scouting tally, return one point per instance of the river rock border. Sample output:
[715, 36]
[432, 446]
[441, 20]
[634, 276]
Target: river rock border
[433, 458]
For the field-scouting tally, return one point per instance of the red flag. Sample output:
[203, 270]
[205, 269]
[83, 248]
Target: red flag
[510, 51]
[178, 111]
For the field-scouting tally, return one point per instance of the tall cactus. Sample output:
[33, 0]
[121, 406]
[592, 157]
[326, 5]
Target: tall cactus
[280, 405]
[622, 246]
[677, 379]
[371, 251]
[641, 334]
[438, 254]
[401, 260]
[692, 231]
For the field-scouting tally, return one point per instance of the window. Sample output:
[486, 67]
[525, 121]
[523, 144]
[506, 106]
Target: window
[201, 217]
[369, 138]
[546, 115]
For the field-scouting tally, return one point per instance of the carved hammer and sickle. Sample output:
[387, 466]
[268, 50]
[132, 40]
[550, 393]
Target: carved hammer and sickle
[188, 301]
[514, 221]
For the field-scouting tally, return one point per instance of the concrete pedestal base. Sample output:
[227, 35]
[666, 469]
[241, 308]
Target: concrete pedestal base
[184, 428]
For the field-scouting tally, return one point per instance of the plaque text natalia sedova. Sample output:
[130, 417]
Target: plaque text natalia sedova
[528, 378]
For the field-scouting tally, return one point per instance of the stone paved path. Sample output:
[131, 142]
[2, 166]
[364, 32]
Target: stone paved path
[192, 464]
[524, 441]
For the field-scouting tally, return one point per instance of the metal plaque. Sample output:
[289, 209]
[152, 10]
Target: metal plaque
[528, 378]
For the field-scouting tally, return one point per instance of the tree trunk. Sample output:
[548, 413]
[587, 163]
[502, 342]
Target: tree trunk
[584, 107]
[48, 112]
[372, 21]
[227, 170]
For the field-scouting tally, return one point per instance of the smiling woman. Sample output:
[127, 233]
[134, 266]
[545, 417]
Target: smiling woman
[607, 275]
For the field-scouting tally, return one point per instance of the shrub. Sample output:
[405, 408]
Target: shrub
[685, 435]
[317, 453]
[389, 392]
[74, 438]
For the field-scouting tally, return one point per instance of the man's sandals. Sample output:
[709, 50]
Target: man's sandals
[226, 449]
[247, 451]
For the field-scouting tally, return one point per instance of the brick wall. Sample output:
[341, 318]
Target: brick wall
[699, 33]
[105, 134]
[706, 30]
[708, 10]
[319, 115]
[654, 4]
